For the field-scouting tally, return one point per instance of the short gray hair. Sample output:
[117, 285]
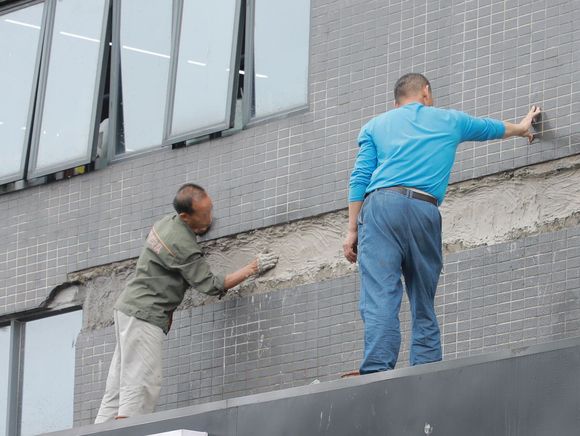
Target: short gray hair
[186, 195]
[410, 84]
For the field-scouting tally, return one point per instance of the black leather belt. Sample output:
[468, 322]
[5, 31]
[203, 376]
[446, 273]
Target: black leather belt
[412, 194]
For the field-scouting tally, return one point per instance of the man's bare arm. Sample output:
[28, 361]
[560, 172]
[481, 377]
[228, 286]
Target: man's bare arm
[237, 277]
[261, 264]
[522, 129]
[351, 240]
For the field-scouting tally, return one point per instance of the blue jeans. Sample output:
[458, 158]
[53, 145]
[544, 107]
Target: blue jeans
[398, 236]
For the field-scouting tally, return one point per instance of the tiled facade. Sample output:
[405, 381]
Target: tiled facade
[486, 57]
[490, 298]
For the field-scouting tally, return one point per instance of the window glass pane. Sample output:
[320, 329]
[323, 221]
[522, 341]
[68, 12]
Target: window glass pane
[49, 373]
[145, 49]
[67, 115]
[203, 66]
[19, 42]
[281, 40]
[4, 368]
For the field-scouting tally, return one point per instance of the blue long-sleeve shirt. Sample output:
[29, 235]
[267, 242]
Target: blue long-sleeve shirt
[414, 146]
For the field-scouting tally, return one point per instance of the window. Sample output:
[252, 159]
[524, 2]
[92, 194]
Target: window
[40, 397]
[278, 74]
[204, 69]
[20, 38]
[101, 79]
[141, 58]
[64, 133]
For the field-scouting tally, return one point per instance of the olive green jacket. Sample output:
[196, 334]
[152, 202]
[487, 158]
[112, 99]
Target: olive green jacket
[170, 263]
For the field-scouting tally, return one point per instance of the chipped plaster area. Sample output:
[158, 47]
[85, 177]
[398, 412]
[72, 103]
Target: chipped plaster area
[310, 250]
[512, 205]
[491, 210]
[102, 285]
[486, 211]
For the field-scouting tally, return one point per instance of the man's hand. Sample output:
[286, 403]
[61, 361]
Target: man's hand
[349, 246]
[265, 262]
[523, 127]
[527, 121]
[262, 263]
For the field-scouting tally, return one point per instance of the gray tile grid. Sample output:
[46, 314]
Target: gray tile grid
[489, 298]
[487, 57]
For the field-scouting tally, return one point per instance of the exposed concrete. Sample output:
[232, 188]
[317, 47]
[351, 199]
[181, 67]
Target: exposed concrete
[510, 205]
[310, 251]
[66, 295]
[102, 286]
[490, 210]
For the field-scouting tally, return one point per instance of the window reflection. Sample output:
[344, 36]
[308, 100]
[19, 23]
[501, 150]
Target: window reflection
[281, 41]
[145, 45]
[48, 373]
[66, 130]
[202, 95]
[20, 33]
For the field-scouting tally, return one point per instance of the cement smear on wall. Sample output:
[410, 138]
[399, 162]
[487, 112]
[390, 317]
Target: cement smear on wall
[508, 206]
[491, 210]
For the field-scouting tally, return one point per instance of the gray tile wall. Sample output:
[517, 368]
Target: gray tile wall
[489, 298]
[487, 57]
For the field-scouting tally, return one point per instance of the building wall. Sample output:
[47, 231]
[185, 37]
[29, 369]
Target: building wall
[487, 57]
[489, 298]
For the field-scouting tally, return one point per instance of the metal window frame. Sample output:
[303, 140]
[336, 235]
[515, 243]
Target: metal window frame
[169, 139]
[249, 70]
[115, 85]
[14, 378]
[20, 174]
[97, 93]
[247, 97]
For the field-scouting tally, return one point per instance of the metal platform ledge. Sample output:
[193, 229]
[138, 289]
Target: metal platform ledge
[528, 391]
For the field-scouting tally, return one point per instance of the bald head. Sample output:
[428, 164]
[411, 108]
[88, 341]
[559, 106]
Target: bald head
[194, 207]
[187, 196]
[410, 86]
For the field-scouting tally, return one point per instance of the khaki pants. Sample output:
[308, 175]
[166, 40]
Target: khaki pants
[134, 379]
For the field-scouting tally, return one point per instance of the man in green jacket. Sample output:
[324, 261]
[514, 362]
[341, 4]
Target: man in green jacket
[171, 262]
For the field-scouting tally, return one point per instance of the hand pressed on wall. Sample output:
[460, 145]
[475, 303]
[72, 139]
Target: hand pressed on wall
[266, 261]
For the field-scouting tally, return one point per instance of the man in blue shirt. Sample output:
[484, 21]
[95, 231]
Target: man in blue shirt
[399, 180]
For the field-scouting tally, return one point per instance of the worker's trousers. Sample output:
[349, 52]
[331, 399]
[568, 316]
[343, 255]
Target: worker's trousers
[398, 236]
[134, 379]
